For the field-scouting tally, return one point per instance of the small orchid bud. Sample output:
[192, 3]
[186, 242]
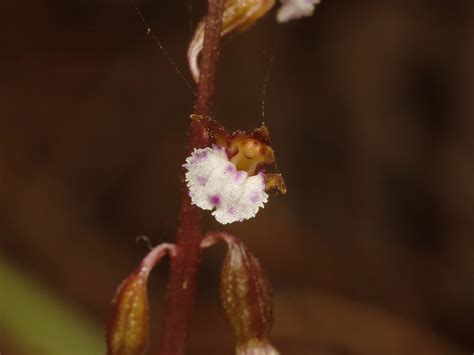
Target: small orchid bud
[127, 332]
[238, 16]
[246, 297]
[295, 9]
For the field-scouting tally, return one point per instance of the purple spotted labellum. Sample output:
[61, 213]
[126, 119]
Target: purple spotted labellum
[215, 183]
[229, 177]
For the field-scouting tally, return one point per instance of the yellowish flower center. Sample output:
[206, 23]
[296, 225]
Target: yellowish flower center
[250, 154]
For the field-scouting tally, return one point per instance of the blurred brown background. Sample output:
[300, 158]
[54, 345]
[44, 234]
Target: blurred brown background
[370, 107]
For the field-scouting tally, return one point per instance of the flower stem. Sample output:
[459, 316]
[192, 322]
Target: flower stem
[182, 283]
[209, 57]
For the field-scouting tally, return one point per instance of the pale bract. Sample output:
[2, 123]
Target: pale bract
[215, 183]
[295, 9]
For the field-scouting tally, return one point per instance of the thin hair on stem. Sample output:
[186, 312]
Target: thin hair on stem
[149, 31]
[265, 84]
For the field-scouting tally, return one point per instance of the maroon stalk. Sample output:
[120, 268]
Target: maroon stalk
[182, 283]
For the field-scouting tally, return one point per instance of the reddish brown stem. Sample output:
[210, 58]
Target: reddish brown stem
[209, 57]
[182, 283]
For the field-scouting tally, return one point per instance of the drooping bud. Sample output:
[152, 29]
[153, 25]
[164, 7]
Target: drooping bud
[238, 16]
[127, 332]
[246, 297]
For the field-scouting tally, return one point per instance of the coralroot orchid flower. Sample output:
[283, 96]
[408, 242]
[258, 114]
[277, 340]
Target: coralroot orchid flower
[229, 176]
[225, 172]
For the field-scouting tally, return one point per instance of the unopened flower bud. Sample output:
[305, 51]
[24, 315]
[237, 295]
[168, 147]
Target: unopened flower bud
[247, 300]
[238, 16]
[127, 332]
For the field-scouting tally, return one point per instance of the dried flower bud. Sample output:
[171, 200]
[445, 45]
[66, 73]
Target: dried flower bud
[127, 332]
[238, 15]
[246, 297]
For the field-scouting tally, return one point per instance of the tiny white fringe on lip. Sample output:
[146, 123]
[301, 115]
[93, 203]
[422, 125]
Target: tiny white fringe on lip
[214, 182]
[295, 9]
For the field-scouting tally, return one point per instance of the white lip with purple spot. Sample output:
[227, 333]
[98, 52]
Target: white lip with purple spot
[215, 183]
